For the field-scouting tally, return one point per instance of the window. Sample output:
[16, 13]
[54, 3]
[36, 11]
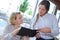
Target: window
[28, 14]
[58, 17]
[52, 8]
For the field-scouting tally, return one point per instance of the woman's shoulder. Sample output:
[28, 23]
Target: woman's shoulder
[52, 15]
[8, 26]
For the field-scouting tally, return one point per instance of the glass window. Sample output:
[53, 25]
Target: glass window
[52, 8]
[3, 22]
[58, 17]
[28, 14]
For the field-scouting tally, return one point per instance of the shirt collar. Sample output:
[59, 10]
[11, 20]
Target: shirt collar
[44, 15]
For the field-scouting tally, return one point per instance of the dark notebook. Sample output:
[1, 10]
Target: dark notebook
[26, 32]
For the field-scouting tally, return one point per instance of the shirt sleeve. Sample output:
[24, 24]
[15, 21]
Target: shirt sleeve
[54, 29]
[7, 35]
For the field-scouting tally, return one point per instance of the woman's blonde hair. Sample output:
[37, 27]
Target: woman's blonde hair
[13, 18]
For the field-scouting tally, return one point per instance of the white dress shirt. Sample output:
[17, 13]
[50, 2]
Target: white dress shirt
[50, 21]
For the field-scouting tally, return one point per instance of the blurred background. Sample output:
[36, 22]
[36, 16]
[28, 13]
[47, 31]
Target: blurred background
[28, 9]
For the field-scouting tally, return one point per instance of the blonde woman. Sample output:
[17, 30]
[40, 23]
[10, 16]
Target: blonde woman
[10, 32]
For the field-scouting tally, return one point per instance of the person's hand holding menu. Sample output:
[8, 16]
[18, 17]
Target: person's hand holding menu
[26, 32]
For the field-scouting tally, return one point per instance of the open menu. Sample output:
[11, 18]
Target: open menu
[27, 32]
